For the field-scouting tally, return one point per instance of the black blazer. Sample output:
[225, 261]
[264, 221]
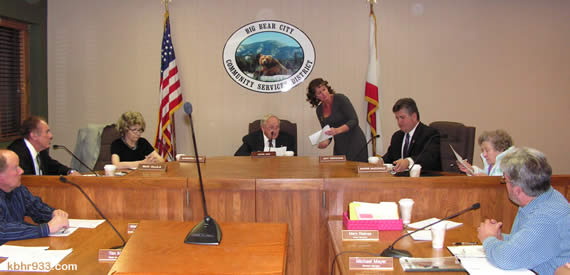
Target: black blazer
[424, 137]
[253, 142]
[49, 166]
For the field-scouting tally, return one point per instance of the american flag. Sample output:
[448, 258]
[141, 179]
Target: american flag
[170, 95]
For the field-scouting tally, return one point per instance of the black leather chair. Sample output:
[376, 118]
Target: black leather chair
[461, 137]
[285, 126]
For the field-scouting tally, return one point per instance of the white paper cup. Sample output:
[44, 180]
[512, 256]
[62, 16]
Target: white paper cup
[406, 210]
[438, 234]
[289, 153]
[178, 156]
[389, 166]
[415, 171]
[373, 160]
[110, 169]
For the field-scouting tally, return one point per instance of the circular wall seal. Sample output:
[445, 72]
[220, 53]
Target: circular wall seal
[269, 56]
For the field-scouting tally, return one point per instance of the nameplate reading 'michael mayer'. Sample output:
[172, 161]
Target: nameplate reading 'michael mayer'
[185, 158]
[341, 158]
[370, 263]
[360, 235]
[158, 167]
[109, 255]
[372, 169]
[263, 154]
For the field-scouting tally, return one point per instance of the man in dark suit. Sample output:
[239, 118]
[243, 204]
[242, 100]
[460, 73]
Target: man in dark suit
[415, 142]
[268, 137]
[33, 150]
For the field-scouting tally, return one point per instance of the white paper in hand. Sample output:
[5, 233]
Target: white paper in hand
[320, 135]
[460, 159]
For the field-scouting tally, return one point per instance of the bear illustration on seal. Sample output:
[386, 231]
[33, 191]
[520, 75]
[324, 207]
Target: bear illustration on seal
[268, 66]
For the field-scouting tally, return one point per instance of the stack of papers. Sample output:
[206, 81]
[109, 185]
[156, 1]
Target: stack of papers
[420, 224]
[29, 257]
[474, 260]
[373, 211]
[74, 224]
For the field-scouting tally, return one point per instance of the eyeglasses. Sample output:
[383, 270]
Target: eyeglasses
[134, 130]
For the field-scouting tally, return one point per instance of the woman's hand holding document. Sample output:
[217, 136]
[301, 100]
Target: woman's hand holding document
[462, 162]
[320, 135]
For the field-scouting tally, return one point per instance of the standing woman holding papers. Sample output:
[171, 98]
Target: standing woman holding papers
[494, 145]
[131, 149]
[336, 111]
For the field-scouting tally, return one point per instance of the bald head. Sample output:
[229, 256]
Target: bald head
[10, 171]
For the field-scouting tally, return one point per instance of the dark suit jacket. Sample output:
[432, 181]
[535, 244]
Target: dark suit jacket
[254, 142]
[49, 166]
[424, 137]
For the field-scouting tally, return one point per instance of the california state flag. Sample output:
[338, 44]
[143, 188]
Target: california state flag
[372, 92]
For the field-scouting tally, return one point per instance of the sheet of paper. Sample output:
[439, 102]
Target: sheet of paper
[473, 259]
[320, 135]
[17, 251]
[420, 224]
[422, 235]
[64, 232]
[40, 259]
[80, 223]
[460, 159]
[279, 151]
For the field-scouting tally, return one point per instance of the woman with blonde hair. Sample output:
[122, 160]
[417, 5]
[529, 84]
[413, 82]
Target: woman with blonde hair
[494, 145]
[131, 149]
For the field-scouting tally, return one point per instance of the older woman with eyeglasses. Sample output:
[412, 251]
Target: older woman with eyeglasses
[131, 149]
[494, 145]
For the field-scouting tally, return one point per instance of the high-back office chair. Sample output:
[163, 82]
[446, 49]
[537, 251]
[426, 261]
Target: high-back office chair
[285, 126]
[461, 137]
[109, 134]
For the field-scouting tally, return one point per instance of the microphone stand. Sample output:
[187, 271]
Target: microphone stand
[65, 180]
[366, 145]
[74, 156]
[398, 253]
[207, 232]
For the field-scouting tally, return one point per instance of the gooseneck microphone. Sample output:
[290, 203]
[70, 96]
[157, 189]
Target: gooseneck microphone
[366, 145]
[207, 232]
[65, 180]
[75, 157]
[397, 253]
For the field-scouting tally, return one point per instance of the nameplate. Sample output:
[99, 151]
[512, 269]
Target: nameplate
[370, 263]
[372, 169]
[109, 255]
[185, 158]
[341, 158]
[158, 167]
[360, 235]
[131, 228]
[263, 154]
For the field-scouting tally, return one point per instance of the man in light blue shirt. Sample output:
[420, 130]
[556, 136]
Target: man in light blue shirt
[540, 237]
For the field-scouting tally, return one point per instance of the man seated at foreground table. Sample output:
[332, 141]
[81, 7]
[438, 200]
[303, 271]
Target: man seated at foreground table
[540, 236]
[16, 202]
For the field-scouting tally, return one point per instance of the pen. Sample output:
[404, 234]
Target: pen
[465, 243]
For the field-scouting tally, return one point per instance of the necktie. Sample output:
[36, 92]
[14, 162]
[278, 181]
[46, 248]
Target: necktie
[39, 163]
[406, 145]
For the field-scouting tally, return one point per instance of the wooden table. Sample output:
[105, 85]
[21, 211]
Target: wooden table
[85, 243]
[298, 191]
[419, 249]
[157, 247]
[265, 168]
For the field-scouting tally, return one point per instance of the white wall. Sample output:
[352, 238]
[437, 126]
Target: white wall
[489, 64]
